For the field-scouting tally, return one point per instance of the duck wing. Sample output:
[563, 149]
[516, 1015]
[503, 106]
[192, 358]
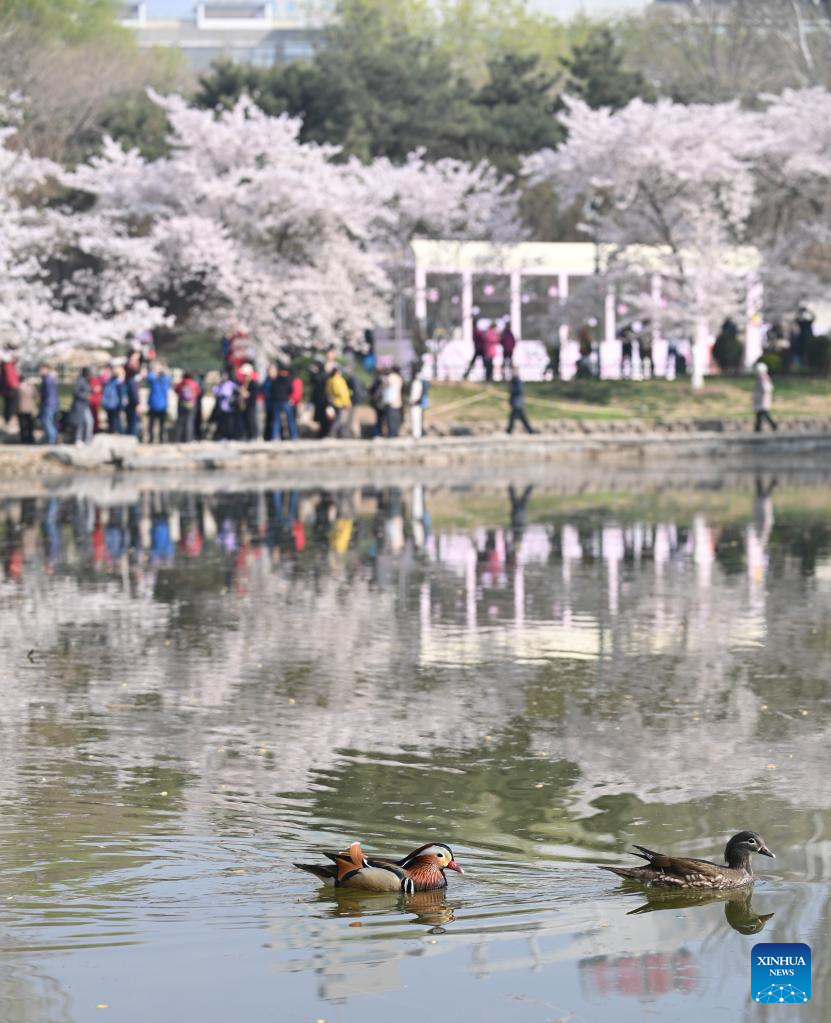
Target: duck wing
[684, 867]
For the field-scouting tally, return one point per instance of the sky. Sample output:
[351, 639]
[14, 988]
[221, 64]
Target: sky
[560, 8]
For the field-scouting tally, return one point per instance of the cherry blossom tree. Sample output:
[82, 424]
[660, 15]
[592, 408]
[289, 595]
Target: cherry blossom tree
[39, 314]
[791, 152]
[670, 189]
[242, 223]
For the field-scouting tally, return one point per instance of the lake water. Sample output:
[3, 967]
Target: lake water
[199, 688]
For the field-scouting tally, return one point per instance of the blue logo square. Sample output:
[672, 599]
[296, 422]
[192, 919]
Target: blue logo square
[780, 972]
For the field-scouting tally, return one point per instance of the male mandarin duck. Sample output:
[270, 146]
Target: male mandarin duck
[680, 872]
[420, 871]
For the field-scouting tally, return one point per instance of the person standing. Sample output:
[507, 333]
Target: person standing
[48, 403]
[295, 396]
[113, 397]
[376, 400]
[96, 383]
[249, 392]
[393, 401]
[489, 349]
[281, 393]
[268, 401]
[26, 411]
[337, 393]
[418, 400]
[132, 372]
[320, 402]
[80, 415]
[508, 342]
[189, 394]
[159, 383]
[516, 397]
[9, 387]
[225, 393]
[763, 397]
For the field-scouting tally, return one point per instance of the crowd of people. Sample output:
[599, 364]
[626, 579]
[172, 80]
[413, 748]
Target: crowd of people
[142, 397]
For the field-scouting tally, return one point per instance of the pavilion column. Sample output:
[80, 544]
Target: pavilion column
[467, 306]
[516, 304]
[609, 363]
[562, 292]
[420, 294]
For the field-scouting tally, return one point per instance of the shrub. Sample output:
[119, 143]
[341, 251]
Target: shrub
[728, 351]
[774, 362]
[818, 354]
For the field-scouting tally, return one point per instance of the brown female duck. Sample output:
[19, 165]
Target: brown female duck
[420, 871]
[681, 872]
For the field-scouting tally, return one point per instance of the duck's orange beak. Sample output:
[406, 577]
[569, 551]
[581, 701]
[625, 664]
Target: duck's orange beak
[453, 865]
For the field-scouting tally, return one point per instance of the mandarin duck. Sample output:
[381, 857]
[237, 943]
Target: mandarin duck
[680, 872]
[420, 871]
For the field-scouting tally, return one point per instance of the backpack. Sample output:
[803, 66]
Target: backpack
[110, 397]
[356, 390]
[187, 395]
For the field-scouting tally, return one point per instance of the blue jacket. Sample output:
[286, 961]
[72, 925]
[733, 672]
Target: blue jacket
[159, 386]
[48, 393]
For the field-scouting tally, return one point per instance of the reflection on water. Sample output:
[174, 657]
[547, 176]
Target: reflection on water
[199, 687]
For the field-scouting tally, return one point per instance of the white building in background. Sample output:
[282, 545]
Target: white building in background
[547, 290]
[261, 32]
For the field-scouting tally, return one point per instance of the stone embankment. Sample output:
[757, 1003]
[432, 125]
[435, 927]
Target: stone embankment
[621, 444]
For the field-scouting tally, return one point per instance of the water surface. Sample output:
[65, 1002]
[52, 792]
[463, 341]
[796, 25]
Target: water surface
[200, 688]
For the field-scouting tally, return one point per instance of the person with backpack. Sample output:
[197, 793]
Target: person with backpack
[159, 383]
[113, 398]
[189, 394]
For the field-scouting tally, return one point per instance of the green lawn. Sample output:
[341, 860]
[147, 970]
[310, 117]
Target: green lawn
[721, 397]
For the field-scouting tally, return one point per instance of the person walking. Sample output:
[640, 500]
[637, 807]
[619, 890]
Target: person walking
[281, 397]
[189, 394]
[337, 393]
[508, 342]
[80, 414]
[393, 398]
[48, 404]
[113, 398]
[478, 347]
[516, 397]
[159, 383]
[763, 397]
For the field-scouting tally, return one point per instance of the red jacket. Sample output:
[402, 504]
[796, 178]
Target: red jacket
[491, 343]
[296, 395]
